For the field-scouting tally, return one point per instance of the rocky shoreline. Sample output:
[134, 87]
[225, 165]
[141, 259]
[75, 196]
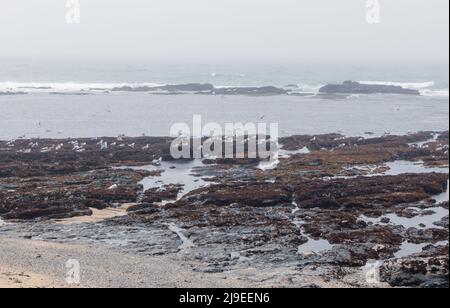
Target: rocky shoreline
[331, 205]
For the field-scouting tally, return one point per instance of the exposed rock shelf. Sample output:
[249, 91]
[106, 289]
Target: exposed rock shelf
[330, 202]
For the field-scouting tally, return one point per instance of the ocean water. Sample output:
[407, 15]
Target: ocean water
[137, 114]
[66, 77]
[72, 100]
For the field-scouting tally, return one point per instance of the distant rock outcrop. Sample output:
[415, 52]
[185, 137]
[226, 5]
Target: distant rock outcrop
[351, 87]
[206, 89]
[191, 87]
[249, 91]
[13, 93]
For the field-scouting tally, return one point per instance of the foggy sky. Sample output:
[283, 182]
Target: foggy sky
[411, 31]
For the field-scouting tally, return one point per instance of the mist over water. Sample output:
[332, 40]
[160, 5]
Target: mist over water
[65, 73]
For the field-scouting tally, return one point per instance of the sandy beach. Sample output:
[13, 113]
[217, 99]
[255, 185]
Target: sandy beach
[37, 264]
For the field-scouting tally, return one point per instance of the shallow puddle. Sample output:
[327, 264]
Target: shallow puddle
[408, 249]
[186, 243]
[420, 221]
[401, 167]
[275, 160]
[444, 197]
[312, 246]
[174, 173]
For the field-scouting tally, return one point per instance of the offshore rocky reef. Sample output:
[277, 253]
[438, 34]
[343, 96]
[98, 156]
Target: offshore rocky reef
[351, 87]
[347, 87]
[331, 204]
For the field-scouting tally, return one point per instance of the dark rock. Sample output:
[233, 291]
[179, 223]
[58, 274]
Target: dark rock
[416, 272]
[257, 195]
[13, 93]
[444, 223]
[251, 91]
[246, 214]
[350, 87]
[192, 87]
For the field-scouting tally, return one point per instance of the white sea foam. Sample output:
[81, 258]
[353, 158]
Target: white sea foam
[66, 87]
[407, 85]
[307, 88]
[425, 88]
[435, 93]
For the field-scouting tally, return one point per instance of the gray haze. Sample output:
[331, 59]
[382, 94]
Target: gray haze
[411, 31]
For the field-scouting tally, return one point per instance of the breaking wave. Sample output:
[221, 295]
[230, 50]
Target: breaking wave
[66, 87]
[425, 88]
[407, 85]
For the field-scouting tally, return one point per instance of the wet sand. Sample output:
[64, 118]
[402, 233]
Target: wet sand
[16, 278]
[97, 215]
